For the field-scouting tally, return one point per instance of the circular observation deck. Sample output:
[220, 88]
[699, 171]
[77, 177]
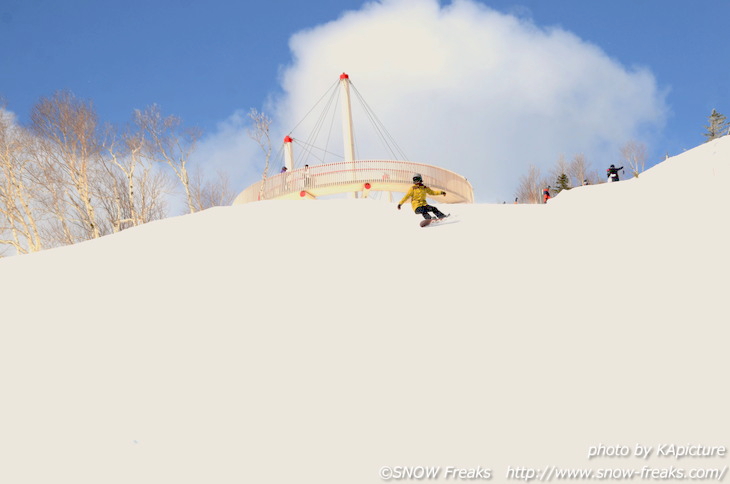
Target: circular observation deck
[357, 176]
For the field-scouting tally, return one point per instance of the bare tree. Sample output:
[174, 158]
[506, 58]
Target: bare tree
[211, 193]
[168, 142]
[148, 202]
[52, 190]
[581, 172]
[259, 132]
[125, 156]
[18, 215]
[61, 183]
[578, 169]
[66, 131]
[135, 188]
[154, 185]
[114, 203]
[634, 155]
[530, 186]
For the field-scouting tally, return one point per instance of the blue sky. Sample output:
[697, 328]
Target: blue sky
[209, 62]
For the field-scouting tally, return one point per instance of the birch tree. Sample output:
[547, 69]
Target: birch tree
[581, 171]
[578, 169]
[167, 141]
[135, 188]
[52, 190]
[18, 214]
[260, 133]
[66, 131]
[634, 155]
[124, 157]
[211, 193]
[530, 186]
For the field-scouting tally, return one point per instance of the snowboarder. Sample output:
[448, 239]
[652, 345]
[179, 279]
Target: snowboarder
[418, 193]
[546, 194]
[612, 173]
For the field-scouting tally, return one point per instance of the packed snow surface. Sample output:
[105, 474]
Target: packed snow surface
[319, 341]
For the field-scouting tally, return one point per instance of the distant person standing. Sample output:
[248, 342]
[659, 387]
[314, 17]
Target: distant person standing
[612, 173]
[285, 178]
[546, 194]
[307, 181]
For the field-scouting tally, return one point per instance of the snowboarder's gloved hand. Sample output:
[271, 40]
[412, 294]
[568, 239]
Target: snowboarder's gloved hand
[399, 206]
[443, 193]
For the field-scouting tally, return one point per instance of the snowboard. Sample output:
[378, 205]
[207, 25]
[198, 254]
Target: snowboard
[434, 221]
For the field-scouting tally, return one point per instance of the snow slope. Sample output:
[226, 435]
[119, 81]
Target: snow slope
[318, 341]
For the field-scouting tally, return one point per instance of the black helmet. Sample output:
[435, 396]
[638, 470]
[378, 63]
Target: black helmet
[417, 178]
[613, 166]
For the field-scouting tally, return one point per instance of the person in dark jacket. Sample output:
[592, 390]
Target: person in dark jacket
[612, 173]
[418, 194]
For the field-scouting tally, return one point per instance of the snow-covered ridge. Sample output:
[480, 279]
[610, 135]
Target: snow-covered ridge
[317, 341]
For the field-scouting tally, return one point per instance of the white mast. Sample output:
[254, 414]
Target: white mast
[288, 154]
[347, 135]
[347, 118]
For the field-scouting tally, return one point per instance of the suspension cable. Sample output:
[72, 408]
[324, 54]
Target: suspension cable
[380, 129]
[332, 96]
[315, 105]
[311, 149]
[314, 134]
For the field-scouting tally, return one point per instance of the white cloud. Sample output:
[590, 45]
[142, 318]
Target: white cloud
[8, 117]
[229, 149]
[471, 89]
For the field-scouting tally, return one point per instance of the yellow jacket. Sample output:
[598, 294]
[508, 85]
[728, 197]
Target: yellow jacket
[418, 194]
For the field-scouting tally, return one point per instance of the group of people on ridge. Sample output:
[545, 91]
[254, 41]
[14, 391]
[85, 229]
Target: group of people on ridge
[611, 174]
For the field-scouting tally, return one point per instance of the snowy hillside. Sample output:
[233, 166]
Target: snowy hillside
[318, 341]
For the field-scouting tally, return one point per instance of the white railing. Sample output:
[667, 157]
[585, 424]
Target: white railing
[348, 176]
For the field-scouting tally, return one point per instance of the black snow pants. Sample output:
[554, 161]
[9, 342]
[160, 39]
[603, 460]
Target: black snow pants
[424, 209]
